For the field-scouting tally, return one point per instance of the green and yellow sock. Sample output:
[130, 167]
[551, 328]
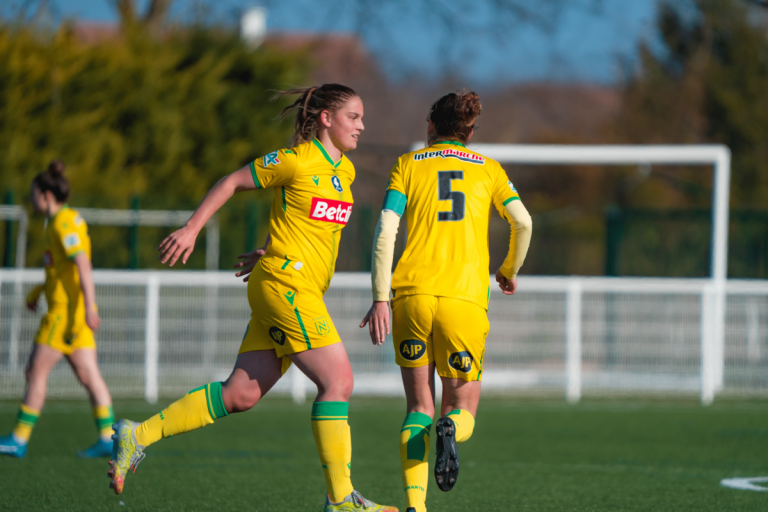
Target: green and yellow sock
[198, 408]
[414, 458]
[465, 424]
[104, 418]
[334, 445]
[25, 422]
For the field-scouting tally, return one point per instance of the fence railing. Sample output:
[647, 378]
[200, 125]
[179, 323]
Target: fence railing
[166, 332]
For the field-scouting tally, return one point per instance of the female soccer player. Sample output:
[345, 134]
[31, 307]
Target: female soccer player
[67, 328]
[286, 282]
[441, 287]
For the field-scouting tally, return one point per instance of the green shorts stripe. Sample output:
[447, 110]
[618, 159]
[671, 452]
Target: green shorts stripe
[303, 330]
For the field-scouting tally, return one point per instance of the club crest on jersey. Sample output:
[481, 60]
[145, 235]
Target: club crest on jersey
[71, 240]
[461, 361]
[329, 210]
[464, 156]
[277, 336]
[336, 183]
[270, 159]
[322, 326]
[413, 350]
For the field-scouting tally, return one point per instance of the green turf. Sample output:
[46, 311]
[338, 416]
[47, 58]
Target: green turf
[526, 454]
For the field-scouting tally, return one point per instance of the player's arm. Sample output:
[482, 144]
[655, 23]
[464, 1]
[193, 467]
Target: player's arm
[519, 241]
[508, 203]
[261, 173]
[34, 296]
[85, 270]
[383, 254]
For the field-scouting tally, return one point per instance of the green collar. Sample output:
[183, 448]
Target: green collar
[454, 142]
[65, 206]
[325, 153]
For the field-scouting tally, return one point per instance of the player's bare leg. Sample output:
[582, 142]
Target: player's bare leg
[42, 360]
[458, 409]
[86, 368]
[253, 376]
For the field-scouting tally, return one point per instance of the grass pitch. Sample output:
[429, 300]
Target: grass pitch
[525, 455]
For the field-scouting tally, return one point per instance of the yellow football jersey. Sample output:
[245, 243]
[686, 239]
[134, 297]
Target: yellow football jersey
[312, 204]
[446, 191]
[66, 235]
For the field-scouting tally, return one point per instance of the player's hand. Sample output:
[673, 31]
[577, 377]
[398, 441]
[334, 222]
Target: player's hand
[378, 321]
[508, 286]
[92, 319]
[178, 244]
[32, 306]
[251, 258]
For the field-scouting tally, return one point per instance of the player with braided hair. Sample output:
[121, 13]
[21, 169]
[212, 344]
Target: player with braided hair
[287, 279]
[441, 288]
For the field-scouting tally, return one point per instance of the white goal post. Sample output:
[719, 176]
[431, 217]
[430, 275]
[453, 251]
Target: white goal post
[715, 155]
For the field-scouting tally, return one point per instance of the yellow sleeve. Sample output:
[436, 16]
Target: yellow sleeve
[522, 227]
[72, 232]
[383, 254]
[34, 295]
[276, 169]
[395, 199]
[503, 190]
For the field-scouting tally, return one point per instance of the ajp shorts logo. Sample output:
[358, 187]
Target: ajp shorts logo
[71, 241]
[329, 210]
[47, 259]
[336, 183]
[277, 336]
[270, 159]
[461, 361]
[413, 350]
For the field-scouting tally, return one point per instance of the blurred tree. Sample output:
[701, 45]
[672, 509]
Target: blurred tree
[162, 118]
[705, 83]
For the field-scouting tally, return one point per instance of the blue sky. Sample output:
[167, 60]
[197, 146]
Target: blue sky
[585, 43]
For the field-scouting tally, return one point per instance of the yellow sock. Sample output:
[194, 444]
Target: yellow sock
[334, 445]
[25, 422]
[414, 459]
[105, 418]
[198, 408]
[465, 424]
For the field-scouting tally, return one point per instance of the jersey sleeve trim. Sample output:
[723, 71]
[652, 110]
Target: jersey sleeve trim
[253, 173]
[505, 203]
[72, 256]
[395, 201]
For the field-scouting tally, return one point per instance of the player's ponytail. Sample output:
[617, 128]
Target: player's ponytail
[454, 116]
[52, 180]
[312, 101]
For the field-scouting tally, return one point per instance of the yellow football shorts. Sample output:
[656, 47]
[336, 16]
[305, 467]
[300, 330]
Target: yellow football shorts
[65, 332]
[283, 318]
[451, 332]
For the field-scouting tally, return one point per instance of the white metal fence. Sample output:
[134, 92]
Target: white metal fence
[164, 333]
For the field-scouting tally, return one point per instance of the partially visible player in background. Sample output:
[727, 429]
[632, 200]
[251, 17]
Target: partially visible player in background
[68, 326]
[286, 282]
[441, 288]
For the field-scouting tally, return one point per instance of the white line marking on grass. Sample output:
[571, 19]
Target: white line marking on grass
[745, 484]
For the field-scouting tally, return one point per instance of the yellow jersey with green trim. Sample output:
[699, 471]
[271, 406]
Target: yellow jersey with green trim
[446, 192]
[66, 236]
[312, 204]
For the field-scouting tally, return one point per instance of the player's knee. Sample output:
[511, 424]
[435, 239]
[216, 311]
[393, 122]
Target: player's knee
[238, 398]
[341, 387]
